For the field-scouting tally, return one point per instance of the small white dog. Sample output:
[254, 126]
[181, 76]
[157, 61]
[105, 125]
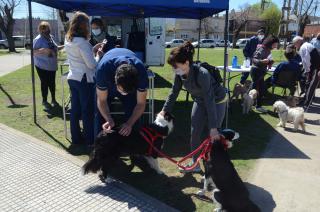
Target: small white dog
[249, 100]
[287, 114]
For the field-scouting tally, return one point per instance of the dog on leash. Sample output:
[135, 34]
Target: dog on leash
[287, 114]
[240, 89]
[249, 100]
[229, 192]
[109, 147]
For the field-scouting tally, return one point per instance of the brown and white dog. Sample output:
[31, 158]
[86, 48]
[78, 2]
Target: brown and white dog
[109, 147]
[249, 100]
[240, 90]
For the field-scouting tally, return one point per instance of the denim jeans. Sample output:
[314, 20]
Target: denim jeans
[82, 107]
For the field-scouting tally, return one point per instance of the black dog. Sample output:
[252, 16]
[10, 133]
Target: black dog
[109, 147]
[230, 193]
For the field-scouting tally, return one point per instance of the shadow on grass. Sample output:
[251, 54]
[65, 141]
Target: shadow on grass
[51, 136]
[161, 82]
[13, 103]
[55, 112]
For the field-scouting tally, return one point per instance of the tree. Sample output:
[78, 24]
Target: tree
[271, 15]
[239, 20]
[307, 7]
[7, 21]
[207, 26]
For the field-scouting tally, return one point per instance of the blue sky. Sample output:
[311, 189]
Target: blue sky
[46, 12]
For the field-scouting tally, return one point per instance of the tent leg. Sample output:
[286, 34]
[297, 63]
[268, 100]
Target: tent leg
[32, 64]
[226, 62]
[199, 34]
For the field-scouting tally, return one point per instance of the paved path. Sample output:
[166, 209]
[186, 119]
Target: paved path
[287, 178]
[14, 61]
[35, 176]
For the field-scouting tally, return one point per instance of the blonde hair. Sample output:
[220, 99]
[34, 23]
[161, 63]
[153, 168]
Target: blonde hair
[79, 26]
[43, 26]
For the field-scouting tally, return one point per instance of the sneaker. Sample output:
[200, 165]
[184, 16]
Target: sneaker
[197, 169]
[261, 110]
[54, 104]
[46, 105]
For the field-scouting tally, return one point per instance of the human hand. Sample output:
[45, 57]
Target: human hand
[214, 134]
[125, 129]
[108, 125]
[265, 61]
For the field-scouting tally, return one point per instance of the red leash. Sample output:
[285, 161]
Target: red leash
[205, 147]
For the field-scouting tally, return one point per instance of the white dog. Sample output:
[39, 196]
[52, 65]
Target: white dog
[287, 114]
[249, 100]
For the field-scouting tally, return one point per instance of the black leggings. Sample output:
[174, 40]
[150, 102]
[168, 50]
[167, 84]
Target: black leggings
[257, 76]
[48, 80]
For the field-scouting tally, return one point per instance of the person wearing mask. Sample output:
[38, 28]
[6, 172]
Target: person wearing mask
[292, 65]
[249, 49]
[209, 96]
[261, 60]
[311, 65]
[98, 35]
[80, 55]
[45, 60]
[120, 74]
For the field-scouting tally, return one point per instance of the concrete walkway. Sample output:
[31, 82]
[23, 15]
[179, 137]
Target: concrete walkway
[287, 177]
[35, 176]
[14, 61]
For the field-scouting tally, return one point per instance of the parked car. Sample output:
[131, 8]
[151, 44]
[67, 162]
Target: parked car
[241, 43]
[221, 43]
[205, 43]
[19, 42]
[174, 43]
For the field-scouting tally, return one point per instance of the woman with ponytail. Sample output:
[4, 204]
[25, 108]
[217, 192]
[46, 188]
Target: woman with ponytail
[209, 96]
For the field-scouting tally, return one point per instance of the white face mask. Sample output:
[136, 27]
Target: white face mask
[260, 37]
[96, 32]
[179, 71]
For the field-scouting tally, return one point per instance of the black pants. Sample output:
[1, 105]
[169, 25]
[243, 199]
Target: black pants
[257, 76]
[48, 80]
[313, 82]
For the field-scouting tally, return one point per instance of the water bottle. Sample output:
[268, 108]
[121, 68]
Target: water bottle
[234, 62]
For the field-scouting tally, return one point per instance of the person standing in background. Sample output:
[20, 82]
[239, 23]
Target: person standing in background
[80, 55]
[249, 50]
[45, 60]
[99, 34]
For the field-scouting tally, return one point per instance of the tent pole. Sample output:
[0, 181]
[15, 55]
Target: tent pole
[32, 63]
[199, 34]
[226, 62]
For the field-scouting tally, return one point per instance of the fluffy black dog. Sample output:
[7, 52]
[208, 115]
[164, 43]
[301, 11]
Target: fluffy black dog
[109, 147]
[230, 193]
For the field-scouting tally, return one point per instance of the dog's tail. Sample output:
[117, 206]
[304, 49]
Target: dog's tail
[91, 166]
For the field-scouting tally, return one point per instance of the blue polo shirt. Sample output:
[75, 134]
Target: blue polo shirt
[106, 70]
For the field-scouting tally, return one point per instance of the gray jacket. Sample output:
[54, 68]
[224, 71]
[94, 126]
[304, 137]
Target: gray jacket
[207, 94]
[260, 54]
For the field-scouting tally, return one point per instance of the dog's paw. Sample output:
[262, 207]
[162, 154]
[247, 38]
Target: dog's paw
[201, 192]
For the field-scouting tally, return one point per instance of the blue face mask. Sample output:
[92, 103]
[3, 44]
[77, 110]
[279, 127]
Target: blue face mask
[179, 71]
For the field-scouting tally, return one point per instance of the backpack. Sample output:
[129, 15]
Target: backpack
[214, 72]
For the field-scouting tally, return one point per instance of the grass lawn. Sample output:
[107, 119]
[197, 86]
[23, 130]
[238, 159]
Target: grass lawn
[3, 52]
[174, 189]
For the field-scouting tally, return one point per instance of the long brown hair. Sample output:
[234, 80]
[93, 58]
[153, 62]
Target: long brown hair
[79, 26]
[181, 54]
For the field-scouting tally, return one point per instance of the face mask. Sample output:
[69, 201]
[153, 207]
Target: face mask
[260, 37]
[96, 31]
[179, 71]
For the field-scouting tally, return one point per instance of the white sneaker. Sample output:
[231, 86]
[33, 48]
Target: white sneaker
[261, 110]
[197, 169]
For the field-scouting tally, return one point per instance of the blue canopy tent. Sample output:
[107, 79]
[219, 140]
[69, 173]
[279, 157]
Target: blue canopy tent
[193, 9]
